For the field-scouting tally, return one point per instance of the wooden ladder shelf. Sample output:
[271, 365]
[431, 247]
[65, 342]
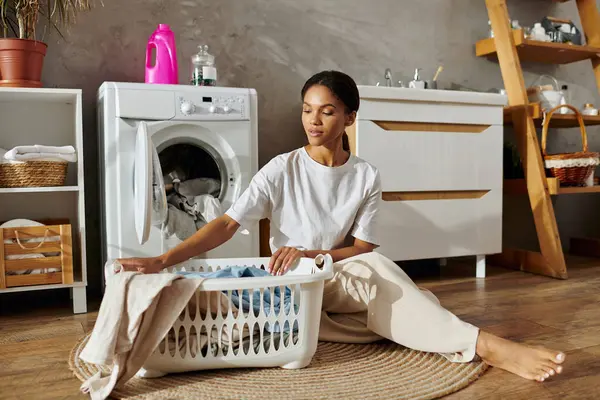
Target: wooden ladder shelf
[509, 47]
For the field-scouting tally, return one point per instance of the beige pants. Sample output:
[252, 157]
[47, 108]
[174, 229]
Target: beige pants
[370, 298]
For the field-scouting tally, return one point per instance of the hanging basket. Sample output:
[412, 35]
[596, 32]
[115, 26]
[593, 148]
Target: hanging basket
[571, 169]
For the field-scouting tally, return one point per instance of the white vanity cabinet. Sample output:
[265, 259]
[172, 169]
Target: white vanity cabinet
[439, 154]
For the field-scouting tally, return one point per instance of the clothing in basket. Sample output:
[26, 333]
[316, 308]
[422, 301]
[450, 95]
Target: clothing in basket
[221, 342]
[250, 299]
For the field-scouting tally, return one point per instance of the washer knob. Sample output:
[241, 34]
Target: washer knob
[187, 107]
[212, 109]
[226, 109]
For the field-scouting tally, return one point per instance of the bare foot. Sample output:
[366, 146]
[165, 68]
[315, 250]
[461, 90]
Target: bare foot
[528, 362]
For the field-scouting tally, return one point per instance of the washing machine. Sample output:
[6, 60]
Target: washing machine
[149, 133]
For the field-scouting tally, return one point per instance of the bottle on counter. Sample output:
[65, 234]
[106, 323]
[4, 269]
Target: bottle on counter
[164, 68]
[565, 99]
[202, 69]
[538, 32]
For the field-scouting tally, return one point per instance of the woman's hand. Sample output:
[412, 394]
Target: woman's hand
[283, 259]
[150, 265]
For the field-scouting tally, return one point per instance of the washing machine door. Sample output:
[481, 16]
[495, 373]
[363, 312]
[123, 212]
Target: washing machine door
[149, 190]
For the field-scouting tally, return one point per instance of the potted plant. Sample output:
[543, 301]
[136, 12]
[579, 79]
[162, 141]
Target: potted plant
[22, 56]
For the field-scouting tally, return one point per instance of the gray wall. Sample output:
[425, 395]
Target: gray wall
[275, 45]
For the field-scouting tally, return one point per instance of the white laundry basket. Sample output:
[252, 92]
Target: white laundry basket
[218, 330]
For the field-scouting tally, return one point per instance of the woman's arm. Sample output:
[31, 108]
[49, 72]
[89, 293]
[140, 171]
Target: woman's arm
[359, 247]
[284, 257]
[211, 235]
[253, 205]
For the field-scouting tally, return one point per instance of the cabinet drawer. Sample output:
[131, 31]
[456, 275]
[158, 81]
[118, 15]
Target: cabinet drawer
[372, 109]
[420, 229]
[423, 157]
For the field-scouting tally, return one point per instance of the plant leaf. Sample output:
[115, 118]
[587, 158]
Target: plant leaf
[13, 25]
[22, 15]
[51, 22]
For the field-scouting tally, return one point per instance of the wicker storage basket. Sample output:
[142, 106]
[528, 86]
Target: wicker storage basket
[571, 169]
[33, 174]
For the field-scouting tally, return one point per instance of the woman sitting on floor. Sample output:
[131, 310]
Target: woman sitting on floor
[322, 199]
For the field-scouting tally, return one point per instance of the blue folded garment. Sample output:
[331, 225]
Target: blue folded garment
[250, 272]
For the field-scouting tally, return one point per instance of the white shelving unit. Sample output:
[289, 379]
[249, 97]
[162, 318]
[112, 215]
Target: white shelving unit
[40, 189]
[50, 117]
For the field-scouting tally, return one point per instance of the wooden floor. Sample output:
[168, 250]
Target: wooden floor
[37, 334]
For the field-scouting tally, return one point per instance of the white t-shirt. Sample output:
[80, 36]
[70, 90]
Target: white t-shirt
[312, 206]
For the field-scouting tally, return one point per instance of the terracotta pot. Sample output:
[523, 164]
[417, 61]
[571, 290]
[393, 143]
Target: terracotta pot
[21, 62]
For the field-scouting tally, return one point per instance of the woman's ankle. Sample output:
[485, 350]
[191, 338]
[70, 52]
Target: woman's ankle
[482, 348]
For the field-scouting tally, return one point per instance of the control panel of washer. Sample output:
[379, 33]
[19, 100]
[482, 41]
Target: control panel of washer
[219, 106]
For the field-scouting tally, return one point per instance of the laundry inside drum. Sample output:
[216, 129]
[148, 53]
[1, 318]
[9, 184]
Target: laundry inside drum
[193, 184]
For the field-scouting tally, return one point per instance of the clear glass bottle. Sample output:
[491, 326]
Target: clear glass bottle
[565, 99]
[202, 68]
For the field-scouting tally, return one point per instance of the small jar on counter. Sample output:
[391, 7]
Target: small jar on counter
[588, 109]
[202, 68]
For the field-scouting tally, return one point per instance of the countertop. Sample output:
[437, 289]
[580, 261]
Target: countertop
[431, 95]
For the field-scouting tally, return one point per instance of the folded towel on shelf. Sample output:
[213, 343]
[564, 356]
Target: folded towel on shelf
[38, 148]
[42, 153]
[3, 160]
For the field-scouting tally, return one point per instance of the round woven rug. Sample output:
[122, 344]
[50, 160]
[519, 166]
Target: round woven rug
[348, 371]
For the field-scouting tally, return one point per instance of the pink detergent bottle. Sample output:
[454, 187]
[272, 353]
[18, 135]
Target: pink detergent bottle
[164, 69]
